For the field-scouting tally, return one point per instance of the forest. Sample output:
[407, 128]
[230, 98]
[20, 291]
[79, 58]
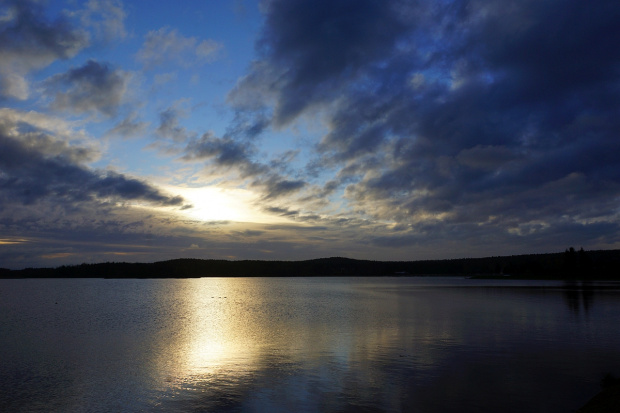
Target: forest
[570, 264]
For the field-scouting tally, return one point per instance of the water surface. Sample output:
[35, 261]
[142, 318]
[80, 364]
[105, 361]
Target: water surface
[416, 344]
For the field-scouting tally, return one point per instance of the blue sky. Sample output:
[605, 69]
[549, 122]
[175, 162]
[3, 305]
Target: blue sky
[393, 130]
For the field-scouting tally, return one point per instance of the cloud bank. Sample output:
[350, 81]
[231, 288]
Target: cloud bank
[459, 120]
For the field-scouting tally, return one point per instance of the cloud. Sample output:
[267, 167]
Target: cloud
[29, 41]
[106, 18]
[406, 129]
[115, 185]
[485, 157]
[36, 166]
[225, 154]
[311, 50]
[251, 233]
[169, 127]
[167, 45]
[128, 127]
[247, 124]
[63, 129]
[276, 186]
[282, 211]
[487, 115]
[228, 154]
[47, 135]
[93, 87]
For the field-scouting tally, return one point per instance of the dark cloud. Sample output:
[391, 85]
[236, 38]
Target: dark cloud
[444, 241]
[247, 124]
[329, 188]
[310, 50]
[559, 48]
[281, 211]
[224, 152]
[275, 186]
[500, 116]
[251, 233]
[237, 156]
[93, 87]
[29, 40]
[35, 166]
[486, 157]
[139, 238]
[118, 186]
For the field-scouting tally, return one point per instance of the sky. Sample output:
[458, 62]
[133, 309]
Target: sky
[147, 130]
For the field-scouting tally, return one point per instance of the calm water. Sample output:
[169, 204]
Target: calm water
[304, 345]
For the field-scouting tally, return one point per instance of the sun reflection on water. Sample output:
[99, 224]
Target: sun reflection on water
[235, 335]
[277, 344]
[213, 339]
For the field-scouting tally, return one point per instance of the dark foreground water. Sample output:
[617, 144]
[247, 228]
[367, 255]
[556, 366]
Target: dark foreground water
[304, 345]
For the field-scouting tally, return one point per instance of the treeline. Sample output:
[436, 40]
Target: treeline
[604, 264]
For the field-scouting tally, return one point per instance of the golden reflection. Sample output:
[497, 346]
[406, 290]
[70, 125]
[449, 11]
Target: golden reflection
[212, 338]
[229, 331]
[216, 339]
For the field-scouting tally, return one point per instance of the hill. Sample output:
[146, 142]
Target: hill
[601, 264]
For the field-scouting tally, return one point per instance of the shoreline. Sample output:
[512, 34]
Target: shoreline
[605, 401]
[596, 266]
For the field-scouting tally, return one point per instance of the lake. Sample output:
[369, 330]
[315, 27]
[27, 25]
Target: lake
[411, 344]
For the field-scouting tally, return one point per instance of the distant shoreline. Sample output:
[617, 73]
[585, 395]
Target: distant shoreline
[569, 265]
[606, 401]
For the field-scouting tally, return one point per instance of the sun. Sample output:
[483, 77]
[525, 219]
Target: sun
[216, 204]
[211, 203]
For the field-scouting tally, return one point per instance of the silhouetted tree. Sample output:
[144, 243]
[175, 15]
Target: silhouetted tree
[584, 264]
[570, 263]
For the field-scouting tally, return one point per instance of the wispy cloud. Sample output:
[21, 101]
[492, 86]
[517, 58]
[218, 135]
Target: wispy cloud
[167, 45]
[128, 127]
[105, 18]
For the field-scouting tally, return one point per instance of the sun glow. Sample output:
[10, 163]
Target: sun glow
[219, 204]
[9, 241]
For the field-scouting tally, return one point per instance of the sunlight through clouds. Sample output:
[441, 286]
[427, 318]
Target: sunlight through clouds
[218, 204]
[390, 129]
